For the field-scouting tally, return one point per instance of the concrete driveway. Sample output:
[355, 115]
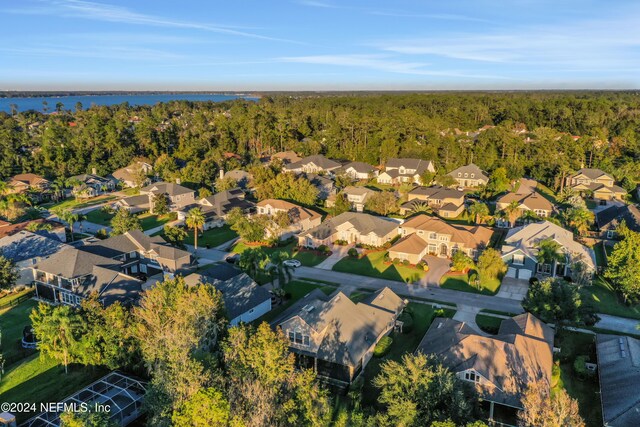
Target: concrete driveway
[337, 253]
[619, 324]
[437, 268]
[515, 289]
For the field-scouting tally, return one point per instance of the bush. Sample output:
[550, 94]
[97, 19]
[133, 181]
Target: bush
[383, 346]
[580, 367]
[340, 242]
[102, 234]
[405, 262]
[352, 252]
[407, 322]
[387, 258]
[323, 248]
[533, 280]
[396, 261]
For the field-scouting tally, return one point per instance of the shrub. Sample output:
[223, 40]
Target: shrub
[340, 242]
[383, 346]
[580, 367]
[352, 252]
[396, 261]
[102, 234]
[387, 258]
[323, 248]
[421, 265]
[407, 322]
[533, 280]
[405, 262]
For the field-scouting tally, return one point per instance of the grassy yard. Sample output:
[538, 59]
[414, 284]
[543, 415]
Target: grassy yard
[606, 300]
[72, 203]
[12, 320]
[213, 237]
[297, 289]
[149, 221]
[403, 343]
[460, 282]
[601, 260]
[585, 390]
[9, 297]
[373, 265]
[307, 258]
[489, 324]
[99, 216]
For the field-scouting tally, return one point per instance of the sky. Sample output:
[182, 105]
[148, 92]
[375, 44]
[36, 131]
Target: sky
[245, 45]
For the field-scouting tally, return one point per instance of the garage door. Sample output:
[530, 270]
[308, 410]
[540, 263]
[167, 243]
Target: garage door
[512, 272]
[524, 274]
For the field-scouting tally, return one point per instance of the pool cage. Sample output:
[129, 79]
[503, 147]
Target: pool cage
[123, 394]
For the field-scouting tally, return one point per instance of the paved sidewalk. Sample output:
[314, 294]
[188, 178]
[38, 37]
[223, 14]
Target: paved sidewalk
[468, 314]
[618, 324]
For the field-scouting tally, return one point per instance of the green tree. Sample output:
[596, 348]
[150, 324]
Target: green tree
[499, 181]
[382, 203]
[512, 212]
[623, 265]
[249, 229]
[490, 264]
[58, 330]
[252, 260]
[419, 390]
[9, 273]
[461, 261]
[340, 205]
[550, 252]
[554, 300]
[160, 204]
[479, 211]
[204, 192]
[227, 183]
[288, 186]
[123, 222]
[579, 219]
[175, 235]
[207, 407]
[545, 409]
[86, 419]
[446, 180]
[195, 220]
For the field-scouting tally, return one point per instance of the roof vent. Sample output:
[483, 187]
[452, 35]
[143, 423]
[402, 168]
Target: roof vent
[308, 308]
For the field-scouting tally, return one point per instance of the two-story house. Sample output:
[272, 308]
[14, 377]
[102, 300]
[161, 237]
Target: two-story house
[425, 235]
[312, 164]
[133, 175]
[24, 182]
[469, 176]
[446, 202]
[351, 227]
[177, 197]
[527, 202]
[216, 207]
[398, 171]
[358, 170]
[92, 185]
[499, 367]
[335, 336]
[520, 251]
[357, 196]
[326, 186]
[597, 183]
[301, 218]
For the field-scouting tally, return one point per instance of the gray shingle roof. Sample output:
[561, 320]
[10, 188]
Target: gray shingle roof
[170, 188]
[469, 169]
[362, 222]
[75, 263]
[318, 159]
[26, 245]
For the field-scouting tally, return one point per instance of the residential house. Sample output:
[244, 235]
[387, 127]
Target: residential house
[177, 197]
[244, 300]
[42, 227]
[527, 202]
[608, 220]
[425, 235]
[326, 186]
[351, 227]
[216, 207]
[133, 175]
[499, 367]
[29, 182]
[92, 185]
[597, 183]
[446, 202]
[302, 219]
[335, 336]
[312, 164]
[469, 176]
[26, 249]
[110, 268]
[619, 372]
[242, 178]
[286, 157]
[520, 250]
[357, 196]
[358, 170]
[398, 171]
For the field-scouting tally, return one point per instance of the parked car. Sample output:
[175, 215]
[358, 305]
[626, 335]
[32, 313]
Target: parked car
[292, 263]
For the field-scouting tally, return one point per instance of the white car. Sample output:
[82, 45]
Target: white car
[292, 263]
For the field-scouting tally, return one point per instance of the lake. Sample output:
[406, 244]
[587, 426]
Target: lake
[35, 103]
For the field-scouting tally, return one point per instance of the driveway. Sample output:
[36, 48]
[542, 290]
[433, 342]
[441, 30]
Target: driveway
[207, 256]
[468, 314]
[337, 253]
[515, 289]
[438, 267]
[619, 324]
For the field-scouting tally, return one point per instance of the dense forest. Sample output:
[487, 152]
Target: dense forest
[533, 133]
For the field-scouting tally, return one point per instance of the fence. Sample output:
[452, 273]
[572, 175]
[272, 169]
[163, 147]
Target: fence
[17, 300]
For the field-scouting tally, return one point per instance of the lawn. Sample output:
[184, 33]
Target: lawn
[306, 258]
[585, 391]
[149, 221]
[606, 300]
[213, 237]
[601, 260]
[9, 297]
[373, 265]
[296, 289]
[403, 343]
[460, 282]
[12, 320]
[72, 203]
[489, 324]
[99, 216]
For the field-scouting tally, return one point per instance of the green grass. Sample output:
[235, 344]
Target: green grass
[213, 237]
[99, 216]
[383, 346]
[373, 265]
[9, 297]
[606, 300]
[296, 289]
[357, 296]
[72, 203]
[36, 381]
[601, 260]
[149, 221]
[306, 258]
[460, 282]
[403, 343]
[12, 320]
[134, 191]
[585, 391]
[489, 324]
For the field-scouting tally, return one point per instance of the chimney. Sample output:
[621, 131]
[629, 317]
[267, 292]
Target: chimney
[221, 173]
[93, 171]
[178, 181]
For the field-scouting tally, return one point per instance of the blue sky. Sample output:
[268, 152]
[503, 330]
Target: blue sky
[319, 45]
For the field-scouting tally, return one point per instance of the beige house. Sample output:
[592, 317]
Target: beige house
[357, 196]
[531, 202]
[358, 170]
[596, 182]
[177, 196]
[312, 164]
[398, 171]
[302, 219]
[335, 336]
[469, 176]
[25, 181]
[446, 202]
[351, 227]
[425, 235]
[130, 176]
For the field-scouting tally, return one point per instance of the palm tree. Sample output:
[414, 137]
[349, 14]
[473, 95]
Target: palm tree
[56, 329]
[513, 212]
[251, 260]
[69, 217]
[550, 252]
[579, 219]
[279, 268]
[530, 216]
[5, 188]
[479, 211]
[195, 220]
[421, 206]
[75, 183]
[58, 187]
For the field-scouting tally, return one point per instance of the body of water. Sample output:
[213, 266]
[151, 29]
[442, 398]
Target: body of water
[69, 102]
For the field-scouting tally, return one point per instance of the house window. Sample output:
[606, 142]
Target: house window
[298, 339]
[69, 299]
[459, 174]
[472, 376]
[518, 259]
[611, 234]
[433, 236]
[466, 175]
[443, 238]
[305, 340]
[291, 336]
[473, 175]
[544, 268]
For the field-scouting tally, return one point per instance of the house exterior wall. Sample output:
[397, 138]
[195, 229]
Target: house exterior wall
[412, 258]
[252, 314]
[439, 244]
